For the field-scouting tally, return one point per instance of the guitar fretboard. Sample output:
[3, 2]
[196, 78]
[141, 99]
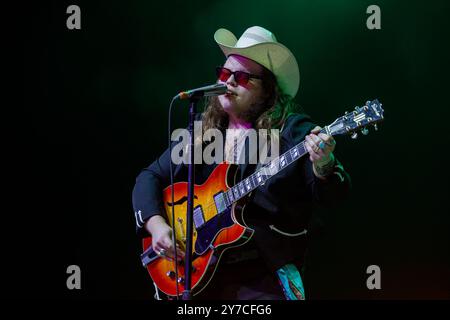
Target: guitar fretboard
[260, 176]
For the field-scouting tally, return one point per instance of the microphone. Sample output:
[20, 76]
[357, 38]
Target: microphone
[207, 91]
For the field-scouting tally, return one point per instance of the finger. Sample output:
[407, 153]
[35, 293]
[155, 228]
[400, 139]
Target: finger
[322, 147]
[162, 245]
[164, 253]
[161, 253]
[156, 249]
[171, 257]
[316, 153]
[324, 137]
[309, 144]
[163, 250]
[158, 246]
[316, 129]
[321, 154]
[313, 156]
[314, 143]
[167, 243]
[329, 140]
[310, 138]
[181, 253]
[170, 249]
[315, 138]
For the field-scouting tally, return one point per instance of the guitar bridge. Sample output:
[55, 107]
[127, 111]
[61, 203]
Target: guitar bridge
[148, 256]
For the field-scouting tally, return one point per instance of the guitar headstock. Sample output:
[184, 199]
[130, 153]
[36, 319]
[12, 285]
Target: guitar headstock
[359, 119]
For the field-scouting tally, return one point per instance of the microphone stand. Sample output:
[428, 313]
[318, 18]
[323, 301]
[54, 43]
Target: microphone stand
[187, 295]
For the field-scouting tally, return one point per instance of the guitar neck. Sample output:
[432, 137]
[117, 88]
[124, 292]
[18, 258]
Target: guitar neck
[370, 114]
[260, 176]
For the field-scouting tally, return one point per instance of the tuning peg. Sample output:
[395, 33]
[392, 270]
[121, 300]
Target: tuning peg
[354, 135]
[375, 126]
[365, 131]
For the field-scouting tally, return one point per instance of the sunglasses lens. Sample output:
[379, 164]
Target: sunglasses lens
[223, 74]
[241, 77]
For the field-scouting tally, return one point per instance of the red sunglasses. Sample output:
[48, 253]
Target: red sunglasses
[241, 77]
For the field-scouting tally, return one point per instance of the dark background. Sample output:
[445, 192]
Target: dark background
[94, 111]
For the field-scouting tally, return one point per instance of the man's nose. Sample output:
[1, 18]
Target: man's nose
[231, 81]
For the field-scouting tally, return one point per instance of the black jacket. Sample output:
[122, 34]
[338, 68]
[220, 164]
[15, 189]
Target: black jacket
[279, 211]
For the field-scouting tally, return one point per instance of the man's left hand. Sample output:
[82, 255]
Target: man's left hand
[320, 147]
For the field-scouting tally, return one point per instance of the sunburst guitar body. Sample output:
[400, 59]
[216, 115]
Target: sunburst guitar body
[218, 226]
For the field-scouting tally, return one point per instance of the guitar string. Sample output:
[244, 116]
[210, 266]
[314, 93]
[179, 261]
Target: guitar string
[276, 161]
[210, 204]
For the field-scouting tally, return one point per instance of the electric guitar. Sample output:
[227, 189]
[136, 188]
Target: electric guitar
[219, 206]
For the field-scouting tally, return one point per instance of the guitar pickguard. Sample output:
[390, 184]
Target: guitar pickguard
[208, 231]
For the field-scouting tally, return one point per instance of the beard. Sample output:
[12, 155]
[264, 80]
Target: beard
[252, 112]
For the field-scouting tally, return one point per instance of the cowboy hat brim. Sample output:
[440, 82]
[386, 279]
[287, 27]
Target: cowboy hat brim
[272, 55]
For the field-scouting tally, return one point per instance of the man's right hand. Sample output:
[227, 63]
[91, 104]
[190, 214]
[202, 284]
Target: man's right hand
[161, 234]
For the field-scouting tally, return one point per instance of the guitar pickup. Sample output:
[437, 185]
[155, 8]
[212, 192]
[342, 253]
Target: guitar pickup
[199, 218]
[219, 200]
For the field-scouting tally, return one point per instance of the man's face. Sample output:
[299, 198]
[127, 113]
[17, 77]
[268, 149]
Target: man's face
[241, 96]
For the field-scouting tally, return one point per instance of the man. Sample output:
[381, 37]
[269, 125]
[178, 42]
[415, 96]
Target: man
[262, 78]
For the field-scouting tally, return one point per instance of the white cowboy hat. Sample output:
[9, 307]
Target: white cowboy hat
[260, 45]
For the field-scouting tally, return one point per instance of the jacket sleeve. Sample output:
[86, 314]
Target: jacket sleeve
[336, 187]
[147, 191]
